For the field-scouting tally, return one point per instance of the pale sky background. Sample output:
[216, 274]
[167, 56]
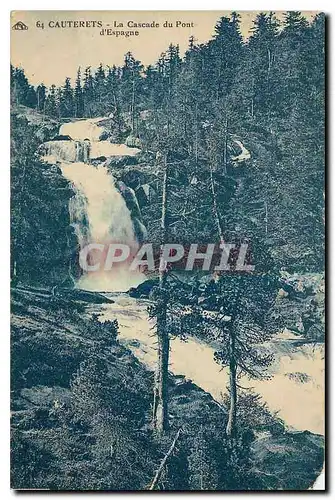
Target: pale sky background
[49, 55]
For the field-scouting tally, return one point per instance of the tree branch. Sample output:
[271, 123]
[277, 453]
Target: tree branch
[163, 463]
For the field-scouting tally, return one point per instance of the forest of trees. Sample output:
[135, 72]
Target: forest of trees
[267, 90]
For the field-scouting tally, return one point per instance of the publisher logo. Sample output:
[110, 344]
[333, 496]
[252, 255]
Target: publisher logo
[19, 26]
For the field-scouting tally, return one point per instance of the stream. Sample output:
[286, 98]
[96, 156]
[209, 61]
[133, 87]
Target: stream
[99, 214]
[299, 404]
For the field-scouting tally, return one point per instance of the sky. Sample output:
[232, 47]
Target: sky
[51, 53]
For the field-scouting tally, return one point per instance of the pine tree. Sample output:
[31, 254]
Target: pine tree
[99, 85]
[131, 87]
[51, 103]
[22, 92]
[78, 97]
[295, 24]
[234, 310]
[227, 50]
[113, 99]
[66, 100]
[88, 92]
[261, 57]
[59, 103]
[41, 97]
[160, 404]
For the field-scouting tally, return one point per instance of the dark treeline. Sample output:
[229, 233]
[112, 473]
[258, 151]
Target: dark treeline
[268, 90]
[274, 72]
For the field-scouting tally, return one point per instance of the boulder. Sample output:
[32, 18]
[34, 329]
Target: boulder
[104, 136]
[100, 159]
[133, 142]
[121, 161]
[85, 296]
[143, 289]
[130, 199]
[134, 209]
[62, 138]
[282, 293]
[140, 230]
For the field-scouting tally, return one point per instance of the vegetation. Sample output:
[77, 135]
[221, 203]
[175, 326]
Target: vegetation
[43, 243]
[269, 90]
[232, 150]
[82, 407]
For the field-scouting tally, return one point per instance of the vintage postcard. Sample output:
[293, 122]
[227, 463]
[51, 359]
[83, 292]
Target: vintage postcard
[167, 250]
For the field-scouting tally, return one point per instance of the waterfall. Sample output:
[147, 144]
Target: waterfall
[69, 151]
[98, 211]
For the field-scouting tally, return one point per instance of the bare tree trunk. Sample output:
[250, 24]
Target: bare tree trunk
[164, 461]
[225, 147]
[185, 120]
[160, 407]
[231, 425]
[215, 205]
[133, 108]
[253, 99]
[196, 134]
[268, 103]
[117, 115]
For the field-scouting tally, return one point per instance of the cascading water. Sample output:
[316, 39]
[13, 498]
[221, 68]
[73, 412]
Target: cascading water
[98, 211]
